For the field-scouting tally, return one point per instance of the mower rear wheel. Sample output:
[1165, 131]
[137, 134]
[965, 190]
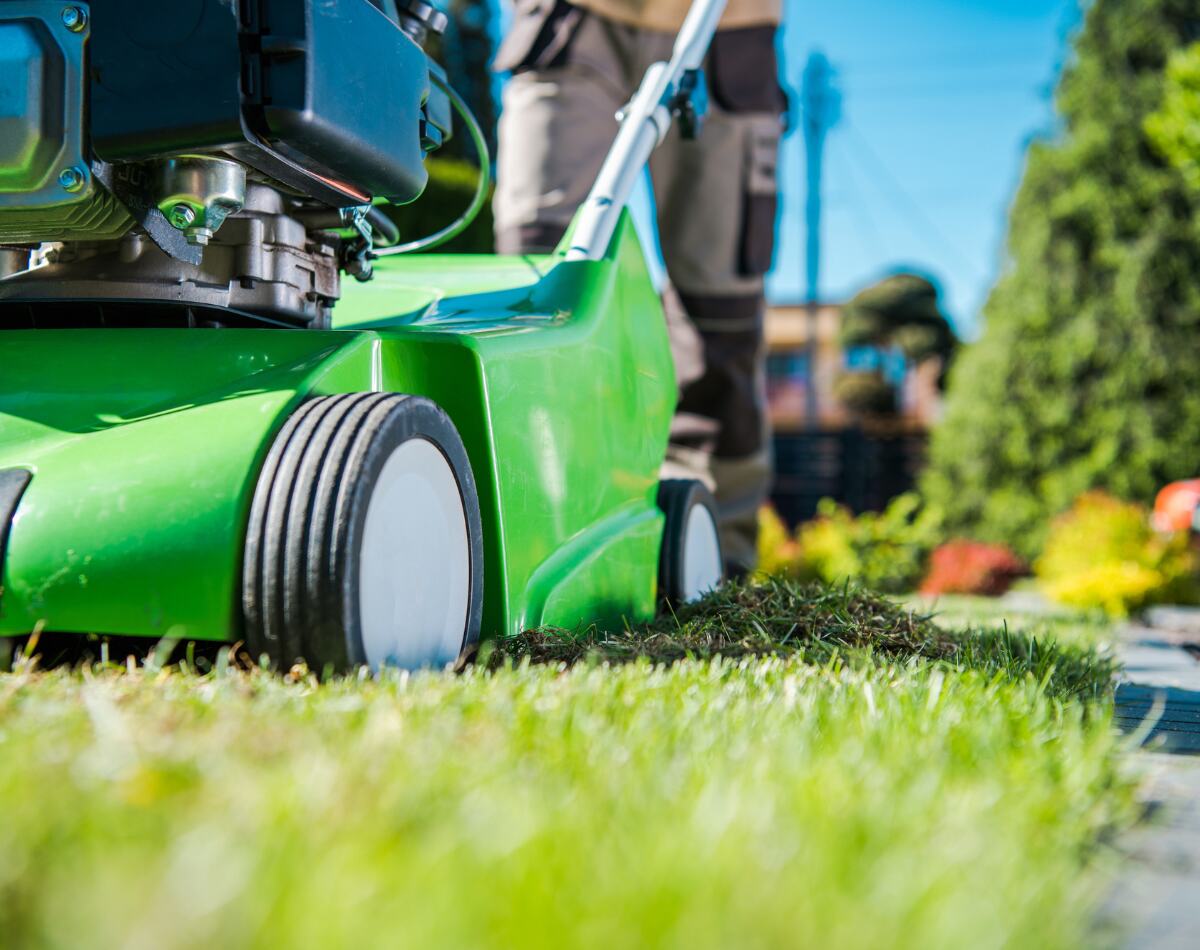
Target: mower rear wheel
[364, 544]
[690, 562]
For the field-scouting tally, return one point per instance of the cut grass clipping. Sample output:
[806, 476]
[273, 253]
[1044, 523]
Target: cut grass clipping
[879, 783]
[818, 623]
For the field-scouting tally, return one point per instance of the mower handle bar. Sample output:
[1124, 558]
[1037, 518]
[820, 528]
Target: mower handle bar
[643, 125]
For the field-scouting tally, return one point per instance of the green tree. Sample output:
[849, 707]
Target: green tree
[1175, 128]
[1087, 373]
[901, 310]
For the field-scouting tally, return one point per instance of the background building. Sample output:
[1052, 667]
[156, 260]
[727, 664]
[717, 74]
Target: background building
[825, 448]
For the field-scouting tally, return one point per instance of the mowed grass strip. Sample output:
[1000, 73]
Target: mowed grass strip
[847, 791]
[819, 623]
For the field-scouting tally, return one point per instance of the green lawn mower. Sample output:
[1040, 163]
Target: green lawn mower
[197, 444]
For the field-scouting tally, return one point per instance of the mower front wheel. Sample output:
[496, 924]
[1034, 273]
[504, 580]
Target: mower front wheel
[364, 543]
[690, 563]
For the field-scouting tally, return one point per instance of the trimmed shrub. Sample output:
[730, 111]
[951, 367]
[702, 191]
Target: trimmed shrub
[884, 551]
[865, 392]
[903, 311]
[972, 567]
[1104, 554]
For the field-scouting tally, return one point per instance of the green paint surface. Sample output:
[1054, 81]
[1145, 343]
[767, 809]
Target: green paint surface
[146, 444]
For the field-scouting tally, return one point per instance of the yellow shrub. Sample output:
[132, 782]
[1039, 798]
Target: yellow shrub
[827, 544]
[1103, 553]
[778, 552]
[1112, 587]
[887, 551]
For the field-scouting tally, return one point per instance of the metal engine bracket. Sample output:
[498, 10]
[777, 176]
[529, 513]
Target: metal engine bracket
[47, 187]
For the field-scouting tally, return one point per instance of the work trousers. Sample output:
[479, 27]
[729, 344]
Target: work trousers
[716, 199]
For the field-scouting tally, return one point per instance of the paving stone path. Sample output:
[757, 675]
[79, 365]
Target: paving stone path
[1156, 903]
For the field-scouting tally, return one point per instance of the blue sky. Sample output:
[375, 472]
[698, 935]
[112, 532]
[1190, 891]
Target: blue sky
[939, 101]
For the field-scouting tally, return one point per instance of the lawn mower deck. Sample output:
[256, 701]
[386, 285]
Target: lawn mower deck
[196, 443]
[145, 445]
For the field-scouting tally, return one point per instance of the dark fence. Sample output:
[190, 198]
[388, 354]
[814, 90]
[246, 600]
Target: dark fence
[860, 468]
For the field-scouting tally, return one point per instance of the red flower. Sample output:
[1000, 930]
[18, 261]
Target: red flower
[972, 567]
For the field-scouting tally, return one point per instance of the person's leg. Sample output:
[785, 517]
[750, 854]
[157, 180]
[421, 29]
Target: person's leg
[720, 433]
[557, 122]
[716, 205]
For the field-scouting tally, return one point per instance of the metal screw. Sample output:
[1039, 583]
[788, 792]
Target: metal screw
[75, 19]
[181, 217]
[72, 179]
[199, 236]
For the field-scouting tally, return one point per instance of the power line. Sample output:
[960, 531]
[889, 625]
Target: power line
[936, 89]
[964, 57]
[937, 66]
[873, 70]
[904, 202]
[861, 209]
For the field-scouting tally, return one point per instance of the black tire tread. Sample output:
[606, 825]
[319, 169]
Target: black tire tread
[295, 572]
[676, 498]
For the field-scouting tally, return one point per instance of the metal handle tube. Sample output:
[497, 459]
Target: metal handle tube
[644, 124]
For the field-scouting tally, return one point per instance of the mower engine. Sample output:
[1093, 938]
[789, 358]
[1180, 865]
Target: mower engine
[205, 162]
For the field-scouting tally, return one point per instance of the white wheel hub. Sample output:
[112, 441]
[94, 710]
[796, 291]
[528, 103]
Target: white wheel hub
[702, 567]
[415, 562]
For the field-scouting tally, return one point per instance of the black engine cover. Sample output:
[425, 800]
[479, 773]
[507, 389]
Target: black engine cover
[327, 96]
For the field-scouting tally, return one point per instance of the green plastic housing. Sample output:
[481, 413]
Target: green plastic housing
[145, 445]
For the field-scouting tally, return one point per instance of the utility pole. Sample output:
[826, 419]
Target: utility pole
[821, 109]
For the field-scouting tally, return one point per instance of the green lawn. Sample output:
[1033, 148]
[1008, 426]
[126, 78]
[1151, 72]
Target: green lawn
[855, 778]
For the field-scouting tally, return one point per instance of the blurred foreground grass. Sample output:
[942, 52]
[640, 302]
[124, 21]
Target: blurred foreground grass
[868, 782]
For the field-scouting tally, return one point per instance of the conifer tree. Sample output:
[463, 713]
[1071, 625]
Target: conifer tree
[1087, 373]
